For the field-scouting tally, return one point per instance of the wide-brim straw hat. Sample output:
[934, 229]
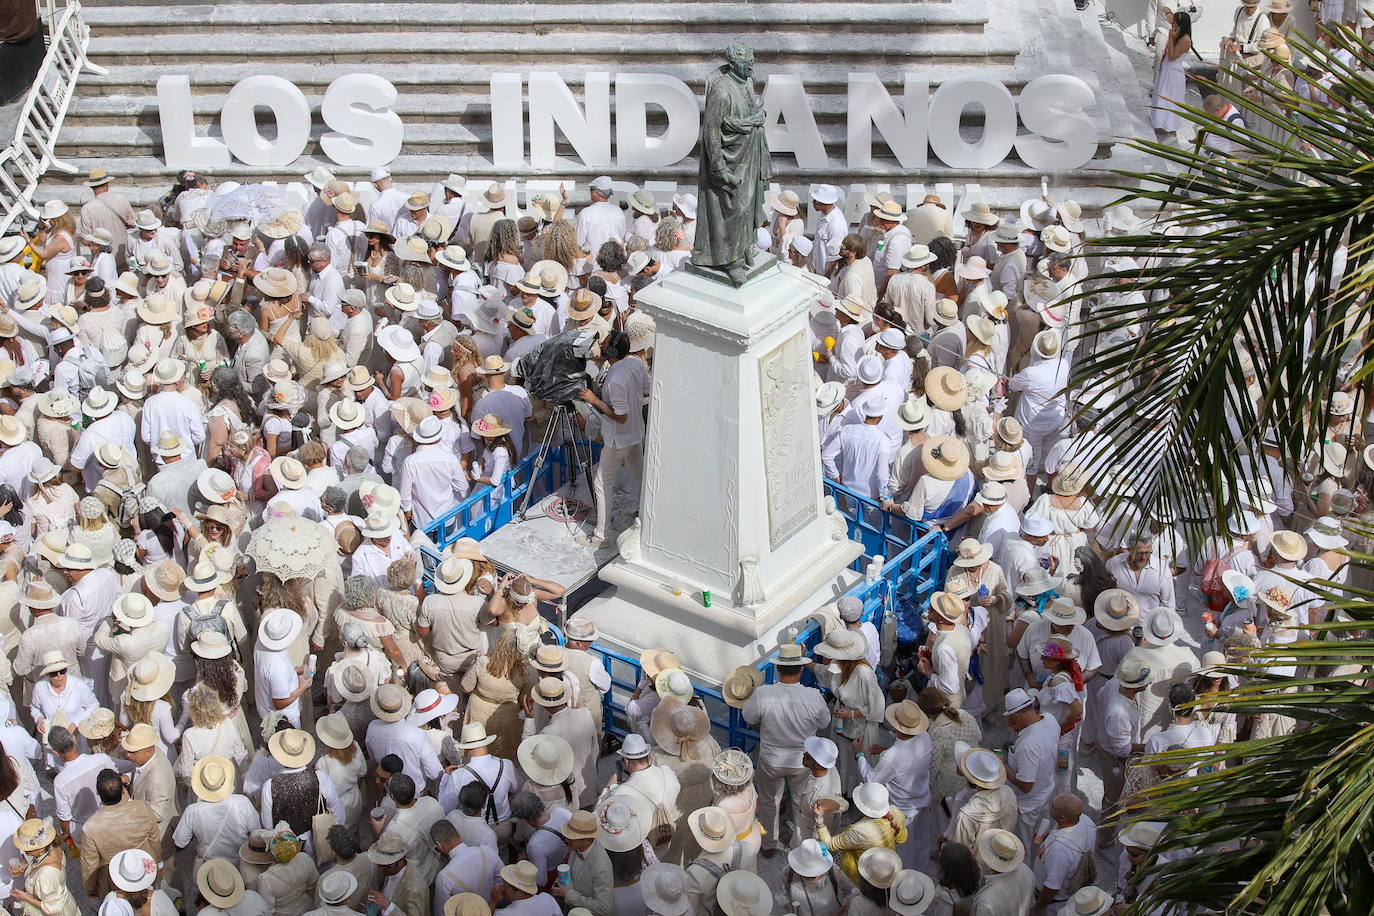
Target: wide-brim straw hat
[740, 686]
[212, 778]
[278, 628]
[34, 834]
[982, 768]
[1062, 613]
[390, 703]
[946, 388]
[1069, 481]
[971, 552]
[675, 725]
[879, 866]
[546, 759]
[1116, 609]
[1000, 850]
[453, 575]
[220, 883]
[133, 610]
[842, 645]
[711, 828]
[1326, 534]
[430, 704]
[906, 718]
[945, 458]
[292, 747]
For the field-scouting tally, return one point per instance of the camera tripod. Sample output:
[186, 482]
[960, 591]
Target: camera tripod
[579, 458]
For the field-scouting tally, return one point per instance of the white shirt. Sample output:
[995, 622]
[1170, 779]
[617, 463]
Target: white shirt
[1152, 586]
[539, 905]
[547, 849]
[905, 769]
[1060, 853]
[786, 715]
[469, 870]
[863, 453]
[172, 410]
[1033, 760]
[387, 207]
[1041, 407]
[305, 501]
[345, 242]
[624, 388]
[1118, 724]
[325, 290]
[418, 758]
[275, 678]
[896, 242]
[118, 428]
[88, 602]
[431, 482]
[486, 768]
[217, 828]
[599, 223]
[830, 232]
[512, 405]
[1038, 633]
[73, 788]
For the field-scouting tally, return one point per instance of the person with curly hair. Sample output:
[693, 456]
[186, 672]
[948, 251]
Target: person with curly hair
[211, 732]
[504, 251]
[495, 685]
[611, 260]
[670, 248]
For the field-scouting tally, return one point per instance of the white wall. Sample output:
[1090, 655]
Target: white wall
[1213, 22]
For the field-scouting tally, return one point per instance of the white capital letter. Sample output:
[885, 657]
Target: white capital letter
[240, 126]
[904, 128]
[634, 93]
[784, 97]
[1062, 136]
[589, 132]
[358, 105]
[999, 122]
[507, 121]
[181, 148]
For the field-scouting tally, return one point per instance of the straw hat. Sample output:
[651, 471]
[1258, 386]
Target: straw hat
[581, 826]
[277, 282]
[168, 371]
[1000, 850]
[947, 606]
[139, 738]
[164, 579]
[842, 645]
[1116, 610]
[211, 644]
[391, 703]
[292, 747]
[353, 682]
[1142, 834]
[743, 893]
[133, 610]
[337, 885]
[790, 655]
[1069, 481]
[879, 866]
[740, 686]
[523, 876]
[278, 628]
[785, 202]
[34, 834]
[1088, 901]
[452, 575]
[945, 458]
[152, 676]
[455, 257]
[546, 759]
[39, 595]
[946, 388]
[675, 726]
[99, 724]
[1046, 344]
[287, 472]
[430, 704]
[711, 828]
[906, 718]
[389, 849]
[212, 778]
[1162, 626]
[12, 431]
[550, 692]
[220, 883]
[53, 660]
[971, 552]
[1060, 612]
[1004, 467]
[1278, 599]
[76, 556]
[1056, 238]
[732, 767]
[58, 404]
[1289, 545]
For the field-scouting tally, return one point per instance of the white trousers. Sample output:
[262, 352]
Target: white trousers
[603, 481]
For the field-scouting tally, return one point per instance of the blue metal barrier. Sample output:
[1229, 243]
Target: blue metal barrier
[915, 561]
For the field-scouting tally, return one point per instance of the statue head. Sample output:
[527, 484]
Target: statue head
[740, 58]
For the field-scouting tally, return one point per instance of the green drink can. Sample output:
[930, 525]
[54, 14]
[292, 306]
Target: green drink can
[705, 598]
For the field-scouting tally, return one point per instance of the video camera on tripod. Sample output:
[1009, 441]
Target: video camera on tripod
[556, 369]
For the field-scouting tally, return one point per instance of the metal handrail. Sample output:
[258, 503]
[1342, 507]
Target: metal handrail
[30, 152]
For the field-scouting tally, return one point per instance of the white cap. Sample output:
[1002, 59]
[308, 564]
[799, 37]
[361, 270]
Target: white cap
[601, 183]
[380, 172]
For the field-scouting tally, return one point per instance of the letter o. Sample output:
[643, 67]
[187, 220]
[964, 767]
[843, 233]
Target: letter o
[947, 106]
[240, 127]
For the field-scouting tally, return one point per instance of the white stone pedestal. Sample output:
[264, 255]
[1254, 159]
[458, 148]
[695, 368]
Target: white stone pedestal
[731, 502]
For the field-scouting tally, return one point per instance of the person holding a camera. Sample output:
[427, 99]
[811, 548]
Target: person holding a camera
[624, 386]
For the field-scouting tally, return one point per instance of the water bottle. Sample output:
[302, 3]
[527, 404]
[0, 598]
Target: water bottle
[564, 878]
[874, 571]
[310, 666]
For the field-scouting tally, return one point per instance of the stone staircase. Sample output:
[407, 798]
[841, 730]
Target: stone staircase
[440, 57]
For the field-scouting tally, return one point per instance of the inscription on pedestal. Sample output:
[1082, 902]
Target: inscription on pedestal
[789, 458]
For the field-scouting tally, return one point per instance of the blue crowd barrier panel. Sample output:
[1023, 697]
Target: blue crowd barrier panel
[915, 561]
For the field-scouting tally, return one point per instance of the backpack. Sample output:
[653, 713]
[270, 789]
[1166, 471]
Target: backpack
[1210, 583]
[718, 871]
[90, 371]
[129, 500]
[212, 622]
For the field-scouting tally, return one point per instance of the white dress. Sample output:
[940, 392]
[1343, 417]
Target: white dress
[1170, 89]
[1070, 526]
[345, 777]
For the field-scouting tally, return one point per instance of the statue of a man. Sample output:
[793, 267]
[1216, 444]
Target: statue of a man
[735, 168]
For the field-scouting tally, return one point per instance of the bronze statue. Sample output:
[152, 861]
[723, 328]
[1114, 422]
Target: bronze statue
[735, 168]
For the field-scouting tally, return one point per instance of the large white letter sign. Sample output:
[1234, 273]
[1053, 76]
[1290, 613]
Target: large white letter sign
[634, 93]
[1062, 136]
[999, 122]
[359, 106]
[507, 121]
[589, 132]
[180, 146]
[791, 127]
[904, 129]
[240, 126]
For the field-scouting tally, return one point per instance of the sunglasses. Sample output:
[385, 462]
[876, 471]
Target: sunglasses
[54, 675]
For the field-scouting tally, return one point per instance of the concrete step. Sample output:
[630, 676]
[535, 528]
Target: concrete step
[438, 19]
[140, 80]
[596, 50]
